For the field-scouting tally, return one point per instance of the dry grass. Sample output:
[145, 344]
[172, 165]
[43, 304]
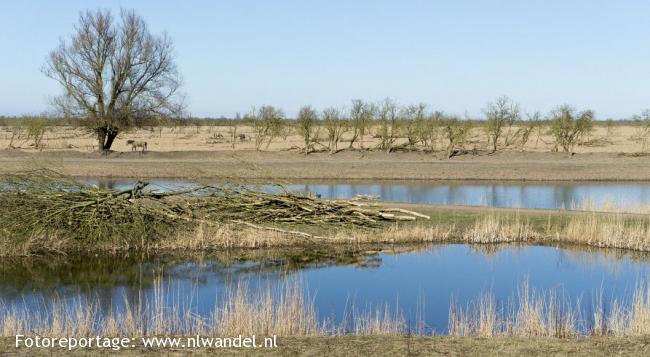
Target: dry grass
[613, 230]
[349, 345]
[500, 229]
[610, 230]
[548, 314]
[287, 310]
[620, 138]
[284, 309]
[622, 320]
[229, 236]
[372, 322]
[610, 206]
[601, 230]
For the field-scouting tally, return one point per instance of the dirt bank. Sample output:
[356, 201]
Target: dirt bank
[286, 165]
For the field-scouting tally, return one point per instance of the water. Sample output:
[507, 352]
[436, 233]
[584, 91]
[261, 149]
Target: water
[434, 274]
[543, 195]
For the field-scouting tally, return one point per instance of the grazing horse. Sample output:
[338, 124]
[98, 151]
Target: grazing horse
[242, 137]
[137, 144]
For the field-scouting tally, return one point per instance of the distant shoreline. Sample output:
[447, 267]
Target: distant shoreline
[227, 165]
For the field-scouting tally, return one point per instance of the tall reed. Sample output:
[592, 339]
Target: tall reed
[549, 314]
[284, 309]
[287, 310]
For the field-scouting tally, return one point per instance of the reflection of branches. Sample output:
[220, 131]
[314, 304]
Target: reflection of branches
[611, 259]
[490, 250]
[99, 275]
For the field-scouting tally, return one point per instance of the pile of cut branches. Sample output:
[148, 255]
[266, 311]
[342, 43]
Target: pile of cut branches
[46, 203]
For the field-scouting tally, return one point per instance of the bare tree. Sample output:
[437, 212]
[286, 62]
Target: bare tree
[268, 124]
[502, 113]
[307, 126]
[387, 114]
[16, 134]
[336, 126]
[568, 127]
[414, 123]
[534, 122]
[233, 130]
[456, 132]
[643, 129]
[36, 128]
[361, 115]
[430, 129]
[115, 74]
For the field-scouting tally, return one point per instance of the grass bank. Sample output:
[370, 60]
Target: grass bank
[391, 346]
[45, 212]
[447, 225]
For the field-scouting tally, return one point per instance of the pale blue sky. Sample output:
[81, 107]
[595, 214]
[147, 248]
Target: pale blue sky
[454, 55]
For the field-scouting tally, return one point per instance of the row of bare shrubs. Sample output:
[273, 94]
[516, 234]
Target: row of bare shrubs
[415, 127]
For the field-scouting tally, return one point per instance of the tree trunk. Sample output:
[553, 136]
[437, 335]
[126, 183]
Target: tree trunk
[105, 138]
[110, 137]
[334, 146]
[355, 136]
[101, 139]
[450, 151]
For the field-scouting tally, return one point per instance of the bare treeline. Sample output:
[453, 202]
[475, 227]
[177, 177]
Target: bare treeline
[389, 126]
[416, 127]
[406, 128]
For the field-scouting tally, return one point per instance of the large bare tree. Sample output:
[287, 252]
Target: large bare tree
[115, 74]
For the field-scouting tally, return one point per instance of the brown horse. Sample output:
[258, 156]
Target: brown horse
[137, 144]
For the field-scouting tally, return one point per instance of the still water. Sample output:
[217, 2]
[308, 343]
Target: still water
[433, 274]
[544, 195]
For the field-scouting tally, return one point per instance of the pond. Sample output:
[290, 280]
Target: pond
[536, 195]
[404, 278]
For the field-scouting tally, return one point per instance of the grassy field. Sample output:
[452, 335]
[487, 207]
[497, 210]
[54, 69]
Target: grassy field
[612, 138]
[609, 153]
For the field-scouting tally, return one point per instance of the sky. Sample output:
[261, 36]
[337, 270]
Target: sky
[454, 55]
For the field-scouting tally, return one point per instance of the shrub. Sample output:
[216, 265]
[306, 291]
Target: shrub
[569, 126]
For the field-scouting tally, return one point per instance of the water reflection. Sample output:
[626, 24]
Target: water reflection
[556, 195]
[86, 274]
[367, 276]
